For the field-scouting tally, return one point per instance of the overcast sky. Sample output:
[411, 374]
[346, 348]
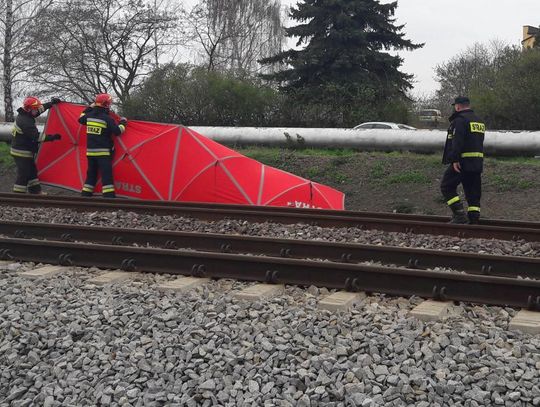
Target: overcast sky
[449, 27]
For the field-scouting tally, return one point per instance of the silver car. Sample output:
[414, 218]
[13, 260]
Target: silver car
[384, 125]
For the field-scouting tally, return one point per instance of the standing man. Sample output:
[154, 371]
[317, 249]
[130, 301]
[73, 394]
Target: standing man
[464, 152]
[25, 144]
[100, 128]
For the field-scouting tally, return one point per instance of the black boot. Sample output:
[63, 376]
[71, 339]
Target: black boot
[458, 213]
[474, 217]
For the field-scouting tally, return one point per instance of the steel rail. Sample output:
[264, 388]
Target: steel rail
[278, 209]
[387, 280]
[507, 266]
[290, 217]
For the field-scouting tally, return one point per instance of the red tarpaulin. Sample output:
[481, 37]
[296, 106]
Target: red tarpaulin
[154, 161]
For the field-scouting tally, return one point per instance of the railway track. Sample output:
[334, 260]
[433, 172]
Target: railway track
[505, 266]
[489, 229]
[272, 209]
[502, 289]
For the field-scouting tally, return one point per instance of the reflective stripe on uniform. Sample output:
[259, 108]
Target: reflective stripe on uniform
[96, 123]
[472, 155]
[88, 188]
[95, 126]
[474, 209]
[453, 200]
[107, 188]
[98, 152]
[122, 128]
[19, 188]
[33, 182]
[477, 127]
[21, 153]
[16, 130]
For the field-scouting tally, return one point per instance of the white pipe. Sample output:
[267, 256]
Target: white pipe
[496, 142]
[428, 141]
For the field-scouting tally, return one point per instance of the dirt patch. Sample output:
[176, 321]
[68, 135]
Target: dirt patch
[409, 183]
[389, 182]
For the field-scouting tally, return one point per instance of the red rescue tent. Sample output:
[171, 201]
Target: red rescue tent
[154, 161]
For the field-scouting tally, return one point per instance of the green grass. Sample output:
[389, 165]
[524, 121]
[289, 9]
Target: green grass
[314, 172]
[381, 174]
[407, 177]
[378, 171]
[5, 158]
[509, 183]
[427, 159]
[273, 152]
[328, 173]
[432, 161]
[515, 160]
[338, 177]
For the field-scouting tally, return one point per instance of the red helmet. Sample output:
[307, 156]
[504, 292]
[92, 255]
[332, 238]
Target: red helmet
[103, 100]
[31, 103]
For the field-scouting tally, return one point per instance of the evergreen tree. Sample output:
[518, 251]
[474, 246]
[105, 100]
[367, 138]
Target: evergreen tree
[345, 57]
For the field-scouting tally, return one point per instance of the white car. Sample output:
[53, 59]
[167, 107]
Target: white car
[384, 125]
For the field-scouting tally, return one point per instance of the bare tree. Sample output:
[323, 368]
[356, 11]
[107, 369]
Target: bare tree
[102, 45]
[262, 34]
[472, 69]
[17, 18]
[234, 35]
[210, 33]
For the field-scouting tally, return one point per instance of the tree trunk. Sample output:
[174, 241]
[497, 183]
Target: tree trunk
[7, 79]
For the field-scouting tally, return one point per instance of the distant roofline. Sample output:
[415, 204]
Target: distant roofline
[531, 32]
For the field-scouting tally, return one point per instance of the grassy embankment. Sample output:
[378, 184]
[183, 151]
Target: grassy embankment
[403, 182]
[503, 170]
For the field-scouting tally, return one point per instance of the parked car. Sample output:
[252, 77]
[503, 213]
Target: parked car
[384, 125]
[429, 115]
[430, 118]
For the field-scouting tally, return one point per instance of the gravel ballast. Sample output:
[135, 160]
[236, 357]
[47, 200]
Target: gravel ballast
[296, 231]
[64, 342]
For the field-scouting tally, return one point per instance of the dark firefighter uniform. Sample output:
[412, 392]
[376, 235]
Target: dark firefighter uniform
[24, 146]
[464, 145]
[100, 128]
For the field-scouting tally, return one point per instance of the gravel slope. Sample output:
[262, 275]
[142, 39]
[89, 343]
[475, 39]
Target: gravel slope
[64, 342]
[67, 343]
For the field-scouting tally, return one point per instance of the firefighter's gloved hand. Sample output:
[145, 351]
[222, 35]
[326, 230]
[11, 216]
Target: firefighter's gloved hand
[55, 101]
[123, 121]
[52, 137]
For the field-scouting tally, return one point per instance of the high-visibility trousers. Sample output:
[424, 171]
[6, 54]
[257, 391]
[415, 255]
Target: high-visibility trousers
[99, 166]
[27, 178]
[472, 187]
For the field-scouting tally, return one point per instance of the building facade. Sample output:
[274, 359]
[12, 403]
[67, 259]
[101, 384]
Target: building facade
[530, 34]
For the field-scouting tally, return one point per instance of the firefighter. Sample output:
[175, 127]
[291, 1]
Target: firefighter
[25, 144]
[100, 128]
[464, 152]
